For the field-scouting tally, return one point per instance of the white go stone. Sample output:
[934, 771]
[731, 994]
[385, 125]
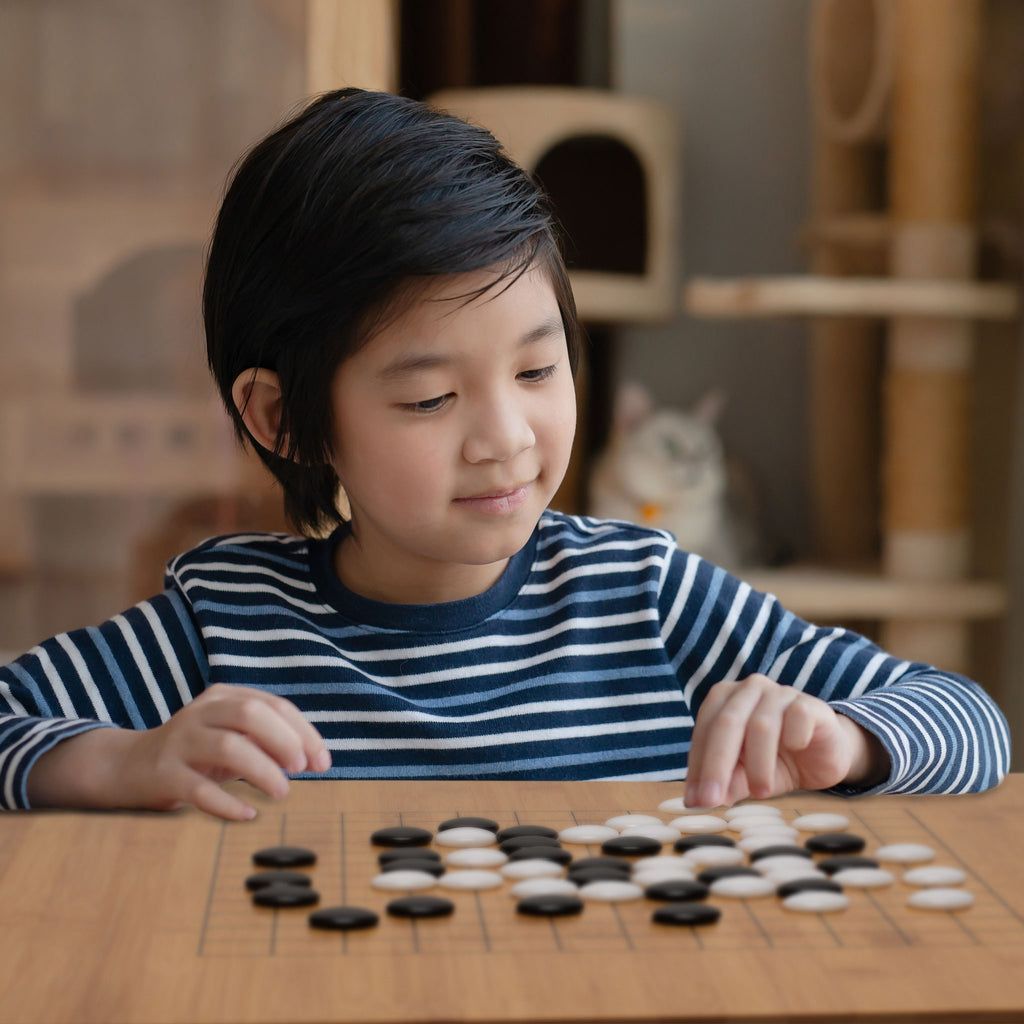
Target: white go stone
[760, 840]
[404, 881]
[934, 875]
[780, 875]
[612, 891]
[742, 887]
[662, 867]
[698, 824]
[543, 887]
[586, 835]
[476, 857]
[531, 868]
[712, 856]
[750, 822]
[465, 836]
[748, 810]
[677, 805]
[622, 821]
[663, 833]
[905, 853]
[816, 902]
[821, 823]
[864, 878]
[940, 899]
[470, 879]
[783, 862]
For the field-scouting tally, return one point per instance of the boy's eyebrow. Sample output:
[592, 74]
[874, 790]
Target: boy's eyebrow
[407, 366]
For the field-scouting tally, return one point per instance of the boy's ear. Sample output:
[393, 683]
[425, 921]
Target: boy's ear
[257, 397]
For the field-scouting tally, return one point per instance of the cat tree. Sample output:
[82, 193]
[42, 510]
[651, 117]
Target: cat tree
[916, 93]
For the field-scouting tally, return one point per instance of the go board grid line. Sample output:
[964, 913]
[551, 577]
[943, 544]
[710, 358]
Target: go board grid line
[277, 912]
[210, 888]
[617, 932]
[981, 881]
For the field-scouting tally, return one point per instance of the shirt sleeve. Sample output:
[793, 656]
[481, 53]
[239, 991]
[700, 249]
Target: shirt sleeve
[943, 733]
[133, 671]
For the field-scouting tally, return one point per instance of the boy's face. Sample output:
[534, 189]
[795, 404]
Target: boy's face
[453, 428]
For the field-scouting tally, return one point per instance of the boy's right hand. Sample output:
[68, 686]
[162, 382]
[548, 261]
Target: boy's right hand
[228, 732]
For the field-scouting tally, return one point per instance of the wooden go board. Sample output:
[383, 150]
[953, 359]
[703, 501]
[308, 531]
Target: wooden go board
[130, 917]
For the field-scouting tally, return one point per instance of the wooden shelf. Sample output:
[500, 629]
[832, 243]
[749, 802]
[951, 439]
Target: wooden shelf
[837, 595]
[807, 295]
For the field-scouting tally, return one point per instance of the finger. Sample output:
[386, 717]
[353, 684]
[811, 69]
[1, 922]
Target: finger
[723, 739]
[229, 754]
[315, 752]
[760, 753]
[800, 722]
[266, 721]
[209, 797]
[695, 794]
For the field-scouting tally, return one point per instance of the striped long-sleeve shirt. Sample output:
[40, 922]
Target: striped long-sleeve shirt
[588, 659]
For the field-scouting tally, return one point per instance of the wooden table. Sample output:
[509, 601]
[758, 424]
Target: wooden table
[145, 918]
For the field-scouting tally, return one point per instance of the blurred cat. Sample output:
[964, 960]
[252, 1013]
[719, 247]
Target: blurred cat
[667, 468]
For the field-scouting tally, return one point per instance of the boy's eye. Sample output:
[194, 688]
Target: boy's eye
[430, 405]
[536, 375]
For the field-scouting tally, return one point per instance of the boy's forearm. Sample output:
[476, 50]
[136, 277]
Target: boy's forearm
[81, 771]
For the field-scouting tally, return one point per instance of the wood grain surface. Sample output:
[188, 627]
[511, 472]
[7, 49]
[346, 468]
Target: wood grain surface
[144, 917]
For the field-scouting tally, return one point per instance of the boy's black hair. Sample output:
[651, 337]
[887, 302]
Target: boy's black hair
[324, 226]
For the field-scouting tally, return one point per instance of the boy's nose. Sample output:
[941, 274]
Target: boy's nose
[500, 431]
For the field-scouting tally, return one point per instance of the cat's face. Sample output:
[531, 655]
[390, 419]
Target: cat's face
[672, 457]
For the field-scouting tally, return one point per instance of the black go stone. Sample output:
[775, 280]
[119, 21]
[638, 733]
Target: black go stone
[343, 919]
[834, 842]
[616, 863]
[420, 906]
[676, 890]
[581, 876]
[284, 857]
[262, 879]
[631, 846]
[401, 853]
[484, 823]
[518, 831]
[517, 842]
[685, 843]
[712, 874]
[286, 896]
[432, 867]
[556, 853]
[688, 913]
[830, 865]
[795, 885]
[782, 850]
[401, 835]
[550, 905]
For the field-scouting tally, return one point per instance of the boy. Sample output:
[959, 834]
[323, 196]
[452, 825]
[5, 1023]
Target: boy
[386, 310]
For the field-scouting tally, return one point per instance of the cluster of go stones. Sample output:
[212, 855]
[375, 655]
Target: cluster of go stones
[749, 851]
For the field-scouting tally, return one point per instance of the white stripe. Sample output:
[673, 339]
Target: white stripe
[581, 571]
[597, 622]
[15, 754]
[53, 678]
[514, 711]
[152, 687]
[167, 650]
[817, 653]
[748, 644]
[682, 596]
[13, 704]
[253, 588]
[865, 678]
[502, 738]
[454, 672]
[578, 552]
[86, 679]
[721, 639]
[255, 569]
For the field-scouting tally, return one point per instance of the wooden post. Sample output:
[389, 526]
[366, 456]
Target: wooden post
[351, 43]
[927, 385]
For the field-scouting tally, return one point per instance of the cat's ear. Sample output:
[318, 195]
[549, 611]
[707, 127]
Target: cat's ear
[708, 409]
[632, 406]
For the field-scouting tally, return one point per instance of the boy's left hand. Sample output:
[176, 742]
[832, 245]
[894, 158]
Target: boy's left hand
[758, 738]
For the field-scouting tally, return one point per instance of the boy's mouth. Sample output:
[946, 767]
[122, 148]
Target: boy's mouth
[499, 501]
